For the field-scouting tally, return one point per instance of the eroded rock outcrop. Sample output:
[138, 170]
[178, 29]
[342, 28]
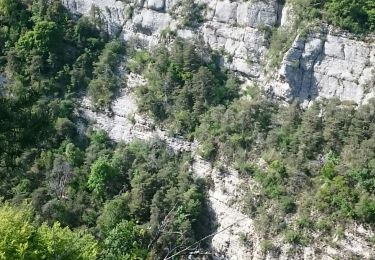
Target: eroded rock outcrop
[231, 27]
[324, 65]
[124, 123]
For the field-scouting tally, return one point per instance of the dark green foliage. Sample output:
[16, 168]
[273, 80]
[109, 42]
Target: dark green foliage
[68, 172]
[236, 128]
[157, 188]
[181, 87]
[105, 76]
[139, 200]
[365, 209]
[354, 15]
[37, 106]
[192, 13]
[357, 16]
[318, 160]
[113, 212]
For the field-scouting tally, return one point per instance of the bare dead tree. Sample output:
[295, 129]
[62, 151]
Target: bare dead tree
[60, 176]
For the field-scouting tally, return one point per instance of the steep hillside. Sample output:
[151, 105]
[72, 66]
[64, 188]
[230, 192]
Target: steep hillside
[320, 63]
[187, 129]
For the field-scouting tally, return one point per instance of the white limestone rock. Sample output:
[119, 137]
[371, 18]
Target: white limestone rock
[112, 12]
[149, 21]
[257, 13]
[262, 13]
[226, 11]
[157, 5]
[325, 67]
[170, 4]
[229, 25]
[320, 66]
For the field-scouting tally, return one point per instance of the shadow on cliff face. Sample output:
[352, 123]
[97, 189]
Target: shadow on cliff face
[207, 223]
[297, 69]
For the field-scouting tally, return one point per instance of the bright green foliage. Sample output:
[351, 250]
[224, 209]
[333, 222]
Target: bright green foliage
[125, 241]
[336, 197]
[101, 173]
[328, 169]
[113, 212]
[16, 231]
[63, 243]
[43, 38]
[139, 61]
[21, 239]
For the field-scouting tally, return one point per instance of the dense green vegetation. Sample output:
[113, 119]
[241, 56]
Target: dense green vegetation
[70, 192]
[182, 86]
[21, 238]
[320, 161]
[354, 15]
[357, 16]
[106, 80]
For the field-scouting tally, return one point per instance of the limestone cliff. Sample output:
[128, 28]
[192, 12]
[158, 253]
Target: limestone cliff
[322, 64]
[237, 237]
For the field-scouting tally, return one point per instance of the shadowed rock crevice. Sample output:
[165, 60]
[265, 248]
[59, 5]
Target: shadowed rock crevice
[324, 66]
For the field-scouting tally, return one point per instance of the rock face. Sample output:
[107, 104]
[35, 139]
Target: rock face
[236, 237]
[125, 124]
[232, 27]
[325, 66]
[2, 80]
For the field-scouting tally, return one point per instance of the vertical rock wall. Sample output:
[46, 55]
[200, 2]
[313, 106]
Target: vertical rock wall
[324, 64]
